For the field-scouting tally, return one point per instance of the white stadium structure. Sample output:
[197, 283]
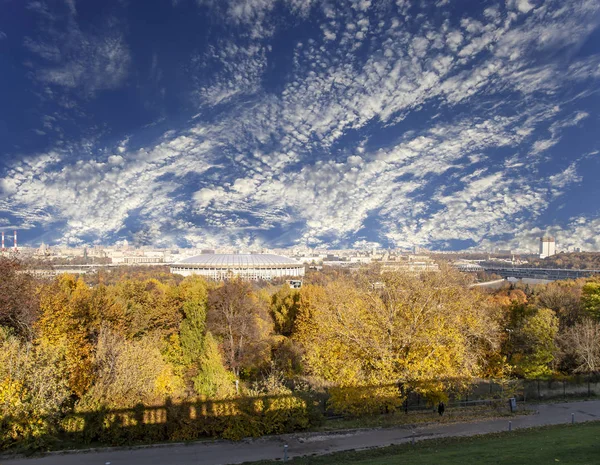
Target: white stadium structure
[251, 267]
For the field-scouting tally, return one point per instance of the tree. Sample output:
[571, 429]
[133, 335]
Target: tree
[241, 324]
[284, 308]
[193, 326]
[590, 296]
[143, 307]
[418, 330]
[564, 298]
[582, 343]
[534, 343]
[33, 388]
[69, 313]
[213, 380]
[128, 372]
[19, 305]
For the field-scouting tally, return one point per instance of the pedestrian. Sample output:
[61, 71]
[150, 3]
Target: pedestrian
[441, 408]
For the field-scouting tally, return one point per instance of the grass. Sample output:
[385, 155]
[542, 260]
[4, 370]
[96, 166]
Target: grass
[452, 415]
[565, 444]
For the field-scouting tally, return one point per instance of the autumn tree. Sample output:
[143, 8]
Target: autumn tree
[590, 296]
[284, 308]
[18, 301]
[143, 307]
[241, 324]
[193, 326]
[581, 343]
[418, 330]
[69, 315]
[33, 389]
[213, 380]
[128, 372]
[564, 298]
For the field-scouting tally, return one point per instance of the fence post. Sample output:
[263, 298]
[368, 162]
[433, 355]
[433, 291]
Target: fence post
[510, 426]
[589, 390]
[285, 453]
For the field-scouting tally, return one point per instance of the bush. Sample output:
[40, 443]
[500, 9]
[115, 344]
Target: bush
[230, 419]
[357, 401]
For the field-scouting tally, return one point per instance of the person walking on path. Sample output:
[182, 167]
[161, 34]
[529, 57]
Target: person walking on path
[441, 408]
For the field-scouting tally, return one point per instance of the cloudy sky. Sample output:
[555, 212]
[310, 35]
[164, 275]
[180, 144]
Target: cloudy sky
[339, 123]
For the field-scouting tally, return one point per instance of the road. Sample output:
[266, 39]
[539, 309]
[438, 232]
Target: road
[225, 452]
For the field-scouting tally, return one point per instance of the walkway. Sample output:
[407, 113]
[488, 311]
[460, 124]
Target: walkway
[225, 452]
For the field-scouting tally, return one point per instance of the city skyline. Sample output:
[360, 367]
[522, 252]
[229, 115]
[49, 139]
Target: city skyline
[9, 244]
[258, 124]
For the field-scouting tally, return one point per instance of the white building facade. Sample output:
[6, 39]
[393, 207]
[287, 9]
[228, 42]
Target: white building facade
[547, 247]
[249, 267]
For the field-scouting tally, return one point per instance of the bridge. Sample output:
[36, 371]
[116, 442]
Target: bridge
[551, 274]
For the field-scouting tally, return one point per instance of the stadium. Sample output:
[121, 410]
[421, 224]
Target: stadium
[250, 267]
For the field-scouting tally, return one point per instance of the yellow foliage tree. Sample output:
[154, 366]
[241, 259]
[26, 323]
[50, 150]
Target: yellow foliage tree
[426, 333]
[69, 312]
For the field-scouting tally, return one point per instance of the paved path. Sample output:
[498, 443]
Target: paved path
[225, 452]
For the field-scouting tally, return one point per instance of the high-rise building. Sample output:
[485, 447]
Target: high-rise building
[547, 246]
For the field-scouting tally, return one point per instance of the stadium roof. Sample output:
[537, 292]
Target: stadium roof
[238, 259]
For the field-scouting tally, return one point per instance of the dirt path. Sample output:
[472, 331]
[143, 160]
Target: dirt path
[225, 452]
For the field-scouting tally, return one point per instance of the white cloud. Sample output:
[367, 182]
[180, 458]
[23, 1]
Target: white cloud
[273, 159]
[565, 178]
[78, 60]
[524, 6]
[242, 69]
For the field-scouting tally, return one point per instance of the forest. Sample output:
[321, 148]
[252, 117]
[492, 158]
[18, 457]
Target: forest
[575, 260]
[256, 358]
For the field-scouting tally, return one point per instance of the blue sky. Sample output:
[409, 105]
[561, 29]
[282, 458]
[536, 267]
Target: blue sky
[343, 123]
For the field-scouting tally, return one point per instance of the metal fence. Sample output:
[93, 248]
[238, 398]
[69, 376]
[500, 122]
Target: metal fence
[491, 392]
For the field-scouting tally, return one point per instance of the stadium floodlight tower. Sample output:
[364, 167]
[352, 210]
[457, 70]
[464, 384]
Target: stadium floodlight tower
[547, 246]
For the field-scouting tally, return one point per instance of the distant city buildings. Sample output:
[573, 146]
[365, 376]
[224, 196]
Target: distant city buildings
[547, 247]
[90, 258]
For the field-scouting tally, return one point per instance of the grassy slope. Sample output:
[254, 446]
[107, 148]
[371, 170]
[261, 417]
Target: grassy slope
[452, 415]
[569, 444]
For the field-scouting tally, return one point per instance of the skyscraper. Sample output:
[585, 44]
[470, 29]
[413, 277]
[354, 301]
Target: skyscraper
[547, 246]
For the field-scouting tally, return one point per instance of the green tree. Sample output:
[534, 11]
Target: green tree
[535, 344]
[193, 326]
[213, 379]
[590, 296]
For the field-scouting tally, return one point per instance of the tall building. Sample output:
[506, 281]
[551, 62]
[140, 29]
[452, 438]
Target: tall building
[547, 246]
